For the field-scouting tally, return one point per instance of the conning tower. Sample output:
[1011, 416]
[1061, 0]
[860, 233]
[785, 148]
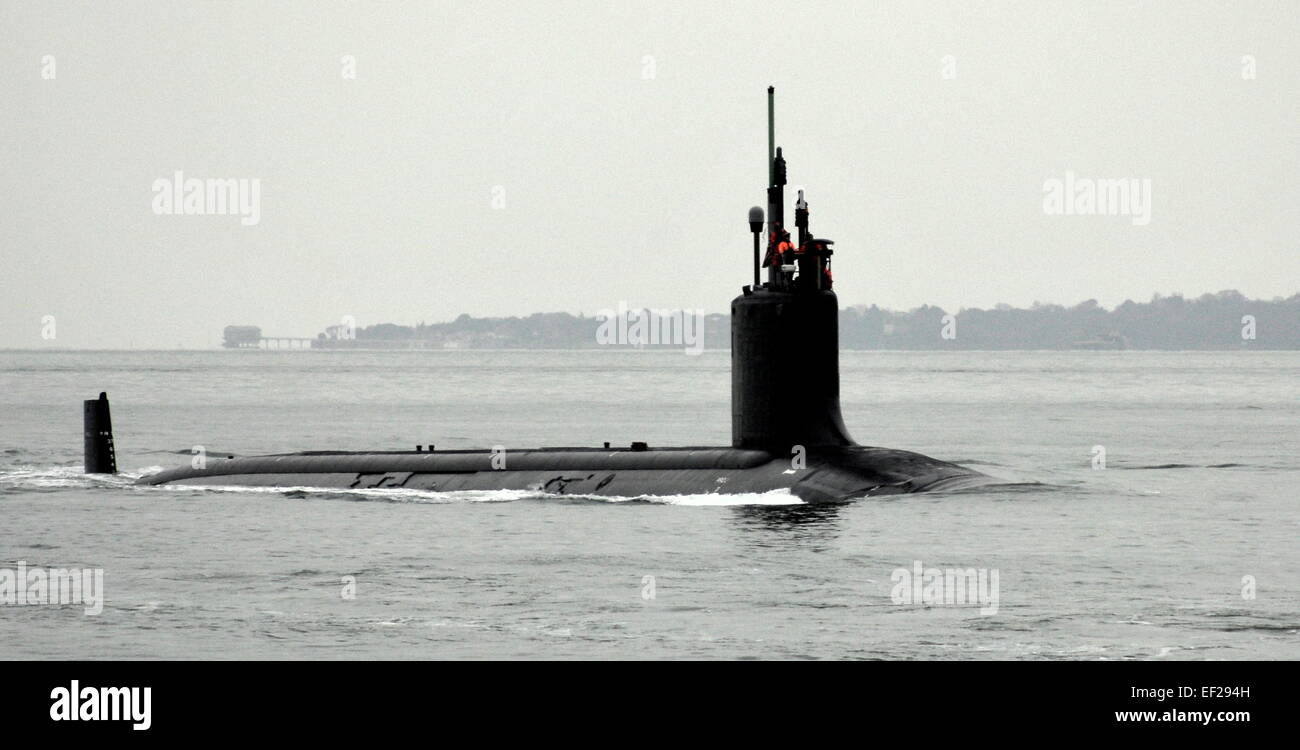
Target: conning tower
[785, 377]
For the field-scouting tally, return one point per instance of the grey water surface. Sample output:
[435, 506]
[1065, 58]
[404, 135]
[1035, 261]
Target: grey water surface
[1184, 546]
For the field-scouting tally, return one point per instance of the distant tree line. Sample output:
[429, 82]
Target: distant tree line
[1227, 320]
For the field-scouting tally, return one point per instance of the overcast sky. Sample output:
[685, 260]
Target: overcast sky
[505, 159]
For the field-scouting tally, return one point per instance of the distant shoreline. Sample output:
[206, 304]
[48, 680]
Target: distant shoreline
[1226, 321]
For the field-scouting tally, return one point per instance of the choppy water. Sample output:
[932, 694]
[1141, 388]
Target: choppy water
[1144, 559]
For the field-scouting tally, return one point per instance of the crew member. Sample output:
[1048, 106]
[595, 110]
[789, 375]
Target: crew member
[778, 245]
[785, 248]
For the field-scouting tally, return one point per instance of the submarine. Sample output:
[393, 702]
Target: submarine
[787, 432]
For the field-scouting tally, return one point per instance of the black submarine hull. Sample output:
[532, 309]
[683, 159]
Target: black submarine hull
[827, 475]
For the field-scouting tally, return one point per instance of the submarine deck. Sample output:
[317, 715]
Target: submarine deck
[827, 474]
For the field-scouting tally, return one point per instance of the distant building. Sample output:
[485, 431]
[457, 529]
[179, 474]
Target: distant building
[241, 337]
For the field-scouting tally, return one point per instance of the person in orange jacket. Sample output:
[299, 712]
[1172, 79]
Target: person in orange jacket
[778, 245]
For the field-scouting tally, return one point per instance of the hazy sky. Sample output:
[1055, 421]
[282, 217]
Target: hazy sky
[622, 144]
